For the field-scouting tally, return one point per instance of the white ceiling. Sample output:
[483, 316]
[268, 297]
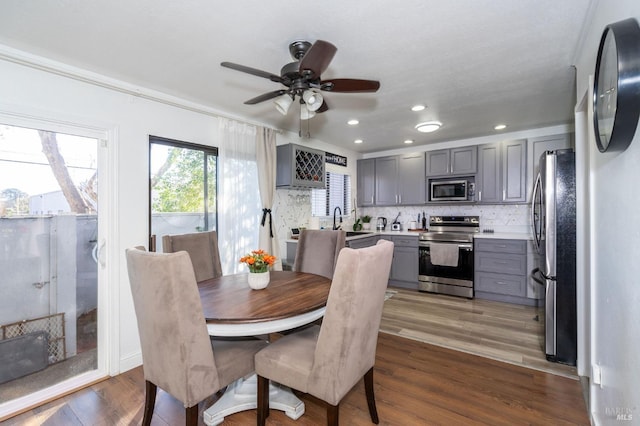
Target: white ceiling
[474, 63]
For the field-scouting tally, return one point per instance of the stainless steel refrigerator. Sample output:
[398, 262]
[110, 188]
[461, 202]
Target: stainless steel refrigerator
[553, 211]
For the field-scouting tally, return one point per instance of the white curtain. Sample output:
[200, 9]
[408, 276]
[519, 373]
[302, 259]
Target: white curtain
[266, 159]
[239, 198]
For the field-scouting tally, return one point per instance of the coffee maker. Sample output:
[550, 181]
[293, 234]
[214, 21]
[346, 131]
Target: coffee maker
[381, 224]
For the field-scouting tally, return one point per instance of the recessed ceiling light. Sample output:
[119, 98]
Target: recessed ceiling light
[417, 108]
[358, 141]
[408, 141]
[500, 127]
[428, 126]
[353, 122]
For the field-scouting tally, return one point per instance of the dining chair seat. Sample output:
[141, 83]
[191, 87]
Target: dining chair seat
[327, 361]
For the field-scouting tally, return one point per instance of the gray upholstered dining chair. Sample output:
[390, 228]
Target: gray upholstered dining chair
[203, 250]
[318, 250]
[178, 355]
[327, 361]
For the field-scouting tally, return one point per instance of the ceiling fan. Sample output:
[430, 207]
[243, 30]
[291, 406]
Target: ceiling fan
[302, 78]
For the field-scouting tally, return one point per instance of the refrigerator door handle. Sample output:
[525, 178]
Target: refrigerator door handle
[550, 319]
[534, 219]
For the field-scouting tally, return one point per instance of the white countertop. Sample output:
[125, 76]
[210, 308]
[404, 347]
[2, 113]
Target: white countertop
[494, 235]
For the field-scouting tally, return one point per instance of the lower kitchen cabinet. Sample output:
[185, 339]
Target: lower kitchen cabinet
[502, 271]
[404, 269]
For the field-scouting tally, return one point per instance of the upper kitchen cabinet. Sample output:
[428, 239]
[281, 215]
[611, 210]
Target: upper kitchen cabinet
[366, 182]
[454, 161]
[535, 148]
[502, 171]
[299, 167]
[399, 180]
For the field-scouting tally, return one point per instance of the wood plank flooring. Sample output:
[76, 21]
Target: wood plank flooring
[501, 331]
[415, 384]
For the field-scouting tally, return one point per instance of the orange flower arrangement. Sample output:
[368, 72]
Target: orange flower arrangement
[258, 261]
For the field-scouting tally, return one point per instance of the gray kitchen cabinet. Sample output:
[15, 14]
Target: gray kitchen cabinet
[501, 174]
[366, 182]
[299, 167]
[501, 270]
[399, 180]
[454, 161]
[404, 268]
[535, 148]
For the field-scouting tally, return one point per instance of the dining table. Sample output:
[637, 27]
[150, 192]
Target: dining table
[232, 309]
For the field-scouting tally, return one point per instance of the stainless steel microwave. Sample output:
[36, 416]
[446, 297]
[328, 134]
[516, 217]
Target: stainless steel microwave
[449, 190]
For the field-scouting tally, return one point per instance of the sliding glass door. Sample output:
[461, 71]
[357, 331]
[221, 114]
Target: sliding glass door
[49, 250]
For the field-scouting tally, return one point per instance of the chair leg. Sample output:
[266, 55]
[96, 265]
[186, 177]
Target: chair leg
[332, 414]
[149, 402]
[191, 416]
[371, 399]
[263, 400]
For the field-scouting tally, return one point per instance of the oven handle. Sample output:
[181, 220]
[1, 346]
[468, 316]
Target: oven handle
[460, 245]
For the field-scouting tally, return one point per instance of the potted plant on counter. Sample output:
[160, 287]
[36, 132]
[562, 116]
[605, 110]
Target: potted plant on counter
[366, 222]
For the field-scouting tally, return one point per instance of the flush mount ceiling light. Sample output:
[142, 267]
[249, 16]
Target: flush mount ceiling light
[500, 126]
[428, 126]
[312, 99]
[283, 103]
[417, 108]
[408, 141]
[358, 141]
[353, 122]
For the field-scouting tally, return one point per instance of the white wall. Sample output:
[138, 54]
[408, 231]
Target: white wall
[614, 259]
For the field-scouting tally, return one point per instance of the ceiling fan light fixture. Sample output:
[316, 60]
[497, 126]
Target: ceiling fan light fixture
[306, 113]
[313, 99]
[283, 103]
[428, 126]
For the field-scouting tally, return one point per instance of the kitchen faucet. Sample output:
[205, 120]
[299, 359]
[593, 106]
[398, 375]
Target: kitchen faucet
[334, 218]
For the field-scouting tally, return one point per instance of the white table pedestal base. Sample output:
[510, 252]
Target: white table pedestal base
[241, 395]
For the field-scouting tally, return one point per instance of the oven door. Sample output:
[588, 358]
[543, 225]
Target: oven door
[460, 275]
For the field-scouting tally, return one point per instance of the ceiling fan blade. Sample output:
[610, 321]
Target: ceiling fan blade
[265, 97]
[252, 71]
[350, 85]
[324, 107]
[317, 59]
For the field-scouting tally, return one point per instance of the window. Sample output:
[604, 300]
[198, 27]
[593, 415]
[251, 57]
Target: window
[183, 192]
[336, 194]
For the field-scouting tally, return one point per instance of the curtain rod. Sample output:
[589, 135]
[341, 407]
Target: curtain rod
[54, 67]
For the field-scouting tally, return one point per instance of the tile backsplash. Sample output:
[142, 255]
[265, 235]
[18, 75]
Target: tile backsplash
[292, 209]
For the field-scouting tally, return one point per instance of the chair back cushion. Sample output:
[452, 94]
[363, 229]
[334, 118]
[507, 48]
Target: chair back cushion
[317, 251]
[176, 349]
[346, 347]
[203, 250]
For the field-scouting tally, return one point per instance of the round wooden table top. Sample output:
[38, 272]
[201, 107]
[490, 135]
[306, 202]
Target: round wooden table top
[230, 300]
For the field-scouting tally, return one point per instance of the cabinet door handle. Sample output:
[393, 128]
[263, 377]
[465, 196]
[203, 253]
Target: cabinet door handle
[372, 199]
[504, 195]
[479, 195]
[400, 199]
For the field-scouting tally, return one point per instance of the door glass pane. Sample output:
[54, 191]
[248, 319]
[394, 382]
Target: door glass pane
[48, 259]
[183, 190]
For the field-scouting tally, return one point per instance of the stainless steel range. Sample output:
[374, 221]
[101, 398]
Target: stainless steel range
[446, 255]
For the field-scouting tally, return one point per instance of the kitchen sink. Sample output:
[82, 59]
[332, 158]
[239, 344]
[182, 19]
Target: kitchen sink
[354, 233]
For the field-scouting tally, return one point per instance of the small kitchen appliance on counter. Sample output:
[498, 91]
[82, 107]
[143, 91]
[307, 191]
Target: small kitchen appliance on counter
[395, 225]
[381, 224]
[446, 255]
